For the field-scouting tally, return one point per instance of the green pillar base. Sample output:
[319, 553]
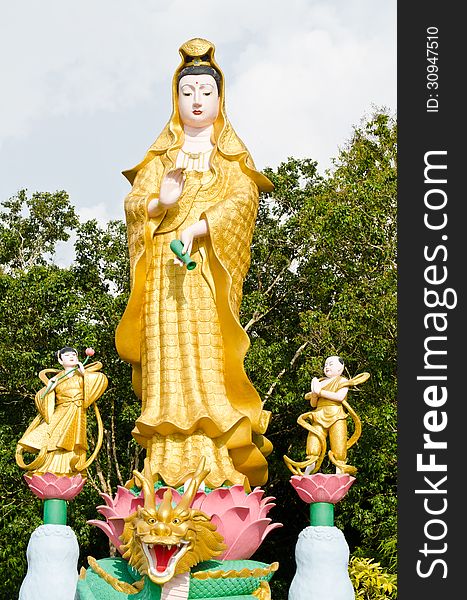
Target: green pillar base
[322, 513]
[54, 512]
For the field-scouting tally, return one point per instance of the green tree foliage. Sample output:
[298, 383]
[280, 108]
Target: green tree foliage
[26, 240]
[322, 281]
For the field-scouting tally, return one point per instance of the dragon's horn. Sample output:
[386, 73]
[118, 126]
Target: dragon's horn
[165, 508]
[193, 486]
[147, 483]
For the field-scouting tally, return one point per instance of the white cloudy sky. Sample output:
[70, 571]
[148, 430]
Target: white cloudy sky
[86, 84]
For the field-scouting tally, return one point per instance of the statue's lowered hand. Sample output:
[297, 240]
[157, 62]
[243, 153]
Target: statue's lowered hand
[177, 247]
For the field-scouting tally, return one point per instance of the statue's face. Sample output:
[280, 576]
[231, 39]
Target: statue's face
[68, 359]
[333, 366]
[198, 100]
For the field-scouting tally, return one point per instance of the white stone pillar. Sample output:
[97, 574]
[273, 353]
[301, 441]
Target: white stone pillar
[322, 558]
[52, 573]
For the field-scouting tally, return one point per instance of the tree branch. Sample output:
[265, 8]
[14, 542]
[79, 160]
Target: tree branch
[114, 445]
[283, 372]
[257, 315]
[92, 481]
[100, 476]
[109, 456]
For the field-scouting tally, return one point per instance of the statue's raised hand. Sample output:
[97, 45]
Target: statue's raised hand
[171, 188]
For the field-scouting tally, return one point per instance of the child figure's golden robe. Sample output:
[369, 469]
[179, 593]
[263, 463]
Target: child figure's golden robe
[181, 330]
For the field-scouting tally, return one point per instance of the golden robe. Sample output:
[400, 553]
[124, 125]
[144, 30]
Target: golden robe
[61, 423]
[328, 412]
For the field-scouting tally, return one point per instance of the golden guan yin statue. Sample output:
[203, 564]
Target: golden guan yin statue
[181, 330]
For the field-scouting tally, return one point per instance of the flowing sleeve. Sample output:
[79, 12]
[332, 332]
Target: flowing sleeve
[231, 223]
[95, 384]
[45, 403]
[146, 186]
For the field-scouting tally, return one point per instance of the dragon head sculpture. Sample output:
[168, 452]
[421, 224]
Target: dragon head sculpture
[167, 540]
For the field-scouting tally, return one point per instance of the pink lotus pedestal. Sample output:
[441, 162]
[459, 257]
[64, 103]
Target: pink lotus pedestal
[322, 492]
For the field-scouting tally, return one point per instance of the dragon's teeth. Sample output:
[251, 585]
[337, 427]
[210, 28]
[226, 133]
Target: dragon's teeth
[169, 547]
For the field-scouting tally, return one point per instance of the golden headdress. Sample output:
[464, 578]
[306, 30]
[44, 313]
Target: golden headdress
[200, 52]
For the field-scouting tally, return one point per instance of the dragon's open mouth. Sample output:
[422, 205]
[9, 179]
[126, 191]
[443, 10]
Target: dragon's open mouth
[162, 559]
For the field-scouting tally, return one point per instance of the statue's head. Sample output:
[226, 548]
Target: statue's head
[197, 90]
[334, 365]
[198, 96]
[67, 357]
